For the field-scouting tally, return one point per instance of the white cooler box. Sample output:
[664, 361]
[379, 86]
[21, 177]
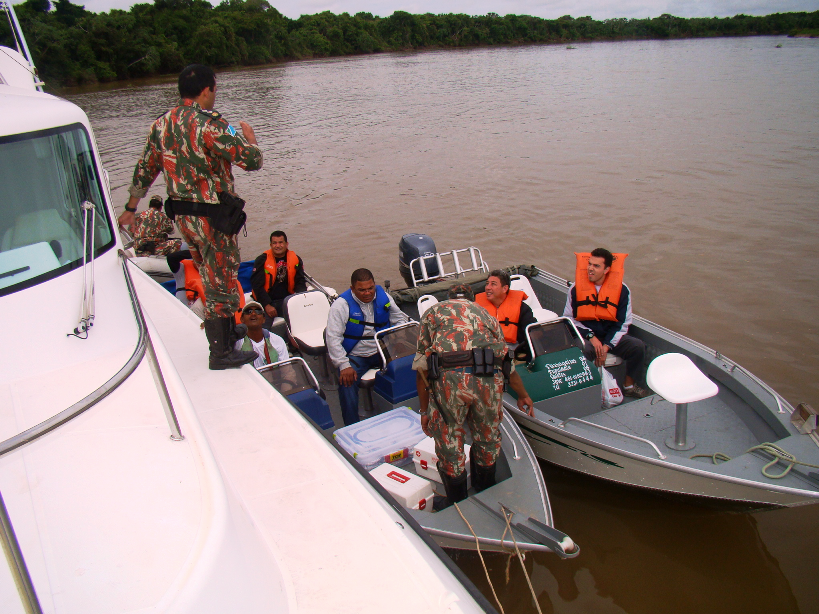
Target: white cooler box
[408, 489]
[385, 438]
[426, 462]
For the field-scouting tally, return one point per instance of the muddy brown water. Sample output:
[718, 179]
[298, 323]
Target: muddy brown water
[699, 158]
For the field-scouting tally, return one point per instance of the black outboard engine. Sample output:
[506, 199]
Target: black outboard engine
[414, 246]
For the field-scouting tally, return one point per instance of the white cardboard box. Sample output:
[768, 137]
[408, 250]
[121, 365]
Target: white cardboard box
[426, 461]
[408, 489]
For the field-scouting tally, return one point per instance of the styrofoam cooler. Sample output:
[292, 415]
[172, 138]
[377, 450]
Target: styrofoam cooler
[426, 461]
[408, 489]
[385, 438]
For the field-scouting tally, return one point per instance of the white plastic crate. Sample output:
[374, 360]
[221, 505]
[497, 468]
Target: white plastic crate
[408, 489]
[426, 461]
[385, 438]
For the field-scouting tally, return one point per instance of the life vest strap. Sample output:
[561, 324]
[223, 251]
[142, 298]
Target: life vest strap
[357, 338]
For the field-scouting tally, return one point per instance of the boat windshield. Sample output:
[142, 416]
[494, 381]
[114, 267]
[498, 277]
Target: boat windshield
[45, 177]
[288, 377]
[399, 342]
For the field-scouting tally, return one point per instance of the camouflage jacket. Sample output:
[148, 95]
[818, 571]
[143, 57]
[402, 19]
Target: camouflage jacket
[194, 148]
[456, 325]
[152, 225]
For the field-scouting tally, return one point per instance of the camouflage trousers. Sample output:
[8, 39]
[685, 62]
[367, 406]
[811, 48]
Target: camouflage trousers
[158, 248]
[217, 256]
[471, 400]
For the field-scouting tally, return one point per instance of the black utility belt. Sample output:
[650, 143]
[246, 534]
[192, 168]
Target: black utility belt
[227, 216]
[481, 362]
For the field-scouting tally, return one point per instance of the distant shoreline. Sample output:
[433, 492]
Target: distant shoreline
[75, 47]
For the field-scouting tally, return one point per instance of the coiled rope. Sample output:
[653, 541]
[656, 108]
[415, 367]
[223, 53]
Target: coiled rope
[780, 455]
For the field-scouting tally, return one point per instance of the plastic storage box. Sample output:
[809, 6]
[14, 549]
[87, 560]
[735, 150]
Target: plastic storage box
[385, 438]
[426, 462]
[408, 489]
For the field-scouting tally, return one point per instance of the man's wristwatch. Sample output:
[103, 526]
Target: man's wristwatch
[590, 335]
[130, 209]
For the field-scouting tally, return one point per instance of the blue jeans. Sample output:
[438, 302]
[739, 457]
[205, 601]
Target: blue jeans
[348, 395]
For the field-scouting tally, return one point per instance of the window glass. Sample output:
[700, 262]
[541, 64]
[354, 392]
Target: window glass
[45, 177]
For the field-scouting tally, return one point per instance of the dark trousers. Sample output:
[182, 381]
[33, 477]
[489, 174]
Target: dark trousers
[630, 349]
[348, 395]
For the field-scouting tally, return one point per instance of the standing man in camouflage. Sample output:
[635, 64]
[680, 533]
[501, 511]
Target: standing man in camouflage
[450, 331]
[195, 147]
[151, 229]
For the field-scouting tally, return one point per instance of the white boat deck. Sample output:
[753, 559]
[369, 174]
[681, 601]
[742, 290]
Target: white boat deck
[330, 535]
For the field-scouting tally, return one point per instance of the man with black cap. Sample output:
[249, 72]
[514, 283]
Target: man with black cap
[151, 229]
[460, 371]
[269, 346]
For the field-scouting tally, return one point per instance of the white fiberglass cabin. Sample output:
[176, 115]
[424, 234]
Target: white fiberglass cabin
[132, 477]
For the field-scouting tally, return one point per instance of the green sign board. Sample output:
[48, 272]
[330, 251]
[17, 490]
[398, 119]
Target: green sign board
[558, 373]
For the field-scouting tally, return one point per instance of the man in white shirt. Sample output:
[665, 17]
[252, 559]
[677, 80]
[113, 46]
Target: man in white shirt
[352, 323]
[269, 346]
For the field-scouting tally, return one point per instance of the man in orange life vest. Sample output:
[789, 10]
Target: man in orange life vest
[507, 307]
[599, 303]
[277, 274]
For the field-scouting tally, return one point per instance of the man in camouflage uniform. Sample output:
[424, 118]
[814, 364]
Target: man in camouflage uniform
[458, 396]
[195, 147]
[151, 229]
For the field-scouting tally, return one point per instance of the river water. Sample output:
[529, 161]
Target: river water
[700, 158]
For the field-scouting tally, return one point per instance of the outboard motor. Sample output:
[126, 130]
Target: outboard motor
[414, 246]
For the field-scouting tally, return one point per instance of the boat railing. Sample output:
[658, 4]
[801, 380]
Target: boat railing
[616, 432]
[728, 364]
[143, 344]
[17, 564]
[475, 264]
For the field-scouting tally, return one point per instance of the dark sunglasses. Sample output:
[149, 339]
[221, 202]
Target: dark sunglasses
[252, 310]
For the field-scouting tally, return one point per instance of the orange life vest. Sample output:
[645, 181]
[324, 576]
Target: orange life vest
[508, 314]
[594, 305]
[270, 268]
[194, 288]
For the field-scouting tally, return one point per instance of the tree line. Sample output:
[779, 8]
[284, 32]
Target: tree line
[73, 46]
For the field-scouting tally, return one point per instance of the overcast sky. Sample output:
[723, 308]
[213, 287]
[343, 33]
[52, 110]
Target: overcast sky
[550, 9]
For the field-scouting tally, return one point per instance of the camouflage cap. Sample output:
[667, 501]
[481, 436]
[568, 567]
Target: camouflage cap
[461, 291]
[156, 201]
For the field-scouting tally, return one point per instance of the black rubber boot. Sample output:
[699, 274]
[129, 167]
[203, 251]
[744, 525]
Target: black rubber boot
[482, 477]
[239, 332]
[455, 491]
[221, 337]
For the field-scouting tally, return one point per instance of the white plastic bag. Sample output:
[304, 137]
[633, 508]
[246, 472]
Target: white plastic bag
[612, 395]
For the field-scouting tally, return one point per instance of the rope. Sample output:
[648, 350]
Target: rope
[520, 558]
[478, 546]
[716, 456]
[769, 448]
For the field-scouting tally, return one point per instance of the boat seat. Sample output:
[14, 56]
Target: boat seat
[366, 383]
[306, 316]
[44, 226]
[678, 380]
[519, 282]
[543, 315]
[425, 302]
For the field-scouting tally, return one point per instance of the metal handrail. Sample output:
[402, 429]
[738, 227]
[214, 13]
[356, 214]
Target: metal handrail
[17, 563]
[475, 257]
[153, 361]
[605, 428]
[29, 435]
